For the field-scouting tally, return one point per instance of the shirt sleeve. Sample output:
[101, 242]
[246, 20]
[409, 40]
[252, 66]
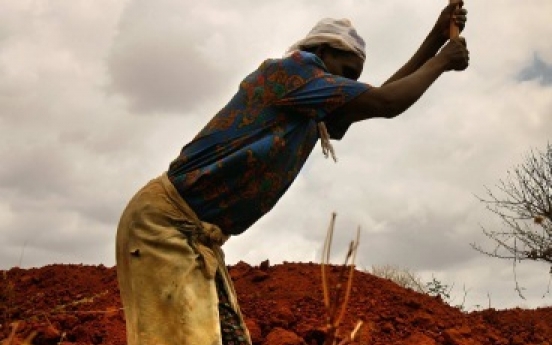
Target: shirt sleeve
[321, 95]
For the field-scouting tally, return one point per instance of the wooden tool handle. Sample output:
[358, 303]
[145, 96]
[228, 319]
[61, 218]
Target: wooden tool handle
[454, 30]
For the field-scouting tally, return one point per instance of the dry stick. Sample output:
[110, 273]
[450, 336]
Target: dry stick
[336, 306]
[514, 266]
[62, 338]
[29, 339]
[326, 259]
[13, 331]
[353, 335]
[26, 341]
[360, 322]
[339, 303]
[356, 329]
[352, 253]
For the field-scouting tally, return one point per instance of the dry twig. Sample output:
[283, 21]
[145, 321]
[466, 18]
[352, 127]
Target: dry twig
[336, 301]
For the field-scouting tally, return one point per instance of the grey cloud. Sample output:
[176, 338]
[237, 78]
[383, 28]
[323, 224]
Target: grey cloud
[162, 78]
[161, 59]
[43, 246]
[423, 241]
[539, 70]
[36, 172]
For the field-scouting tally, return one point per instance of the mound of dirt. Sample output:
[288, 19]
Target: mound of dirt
[283, 305]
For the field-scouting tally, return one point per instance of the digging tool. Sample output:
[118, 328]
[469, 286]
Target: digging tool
[454, 29]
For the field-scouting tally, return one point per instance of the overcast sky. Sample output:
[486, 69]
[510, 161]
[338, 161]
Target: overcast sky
[97, 97]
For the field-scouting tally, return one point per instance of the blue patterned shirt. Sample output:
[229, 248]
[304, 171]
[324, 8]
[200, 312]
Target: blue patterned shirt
[237, 167]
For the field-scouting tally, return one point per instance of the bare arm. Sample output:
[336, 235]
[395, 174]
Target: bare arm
[436, 38]
[427, 50]
[411, 81]
[395, 97]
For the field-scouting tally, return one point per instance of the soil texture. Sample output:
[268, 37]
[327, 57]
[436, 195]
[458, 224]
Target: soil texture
[282, 304]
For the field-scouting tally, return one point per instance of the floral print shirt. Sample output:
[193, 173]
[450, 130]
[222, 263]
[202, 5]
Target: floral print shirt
[237, 167]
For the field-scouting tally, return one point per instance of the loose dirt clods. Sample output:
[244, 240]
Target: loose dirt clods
[77, 304]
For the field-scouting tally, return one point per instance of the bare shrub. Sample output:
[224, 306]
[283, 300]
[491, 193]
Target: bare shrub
[401, 276]
[523, 202]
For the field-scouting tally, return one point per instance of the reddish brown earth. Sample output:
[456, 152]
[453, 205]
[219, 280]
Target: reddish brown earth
[76, 304]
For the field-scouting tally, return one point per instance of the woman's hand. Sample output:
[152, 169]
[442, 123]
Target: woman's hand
[451, 12]
[456, 54]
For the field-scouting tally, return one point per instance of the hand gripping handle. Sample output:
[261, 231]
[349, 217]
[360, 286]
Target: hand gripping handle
[454, 30]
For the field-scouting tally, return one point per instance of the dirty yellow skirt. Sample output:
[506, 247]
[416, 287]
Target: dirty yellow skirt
[167, 260]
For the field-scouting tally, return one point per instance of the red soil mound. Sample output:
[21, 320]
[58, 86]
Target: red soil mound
[75, 304]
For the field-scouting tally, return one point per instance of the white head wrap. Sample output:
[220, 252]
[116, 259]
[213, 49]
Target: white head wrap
[337, 33]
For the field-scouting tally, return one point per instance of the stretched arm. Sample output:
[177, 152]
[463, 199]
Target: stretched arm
[436, 38]
[395, 97]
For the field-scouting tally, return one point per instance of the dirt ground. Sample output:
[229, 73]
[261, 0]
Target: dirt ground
[283, 305]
